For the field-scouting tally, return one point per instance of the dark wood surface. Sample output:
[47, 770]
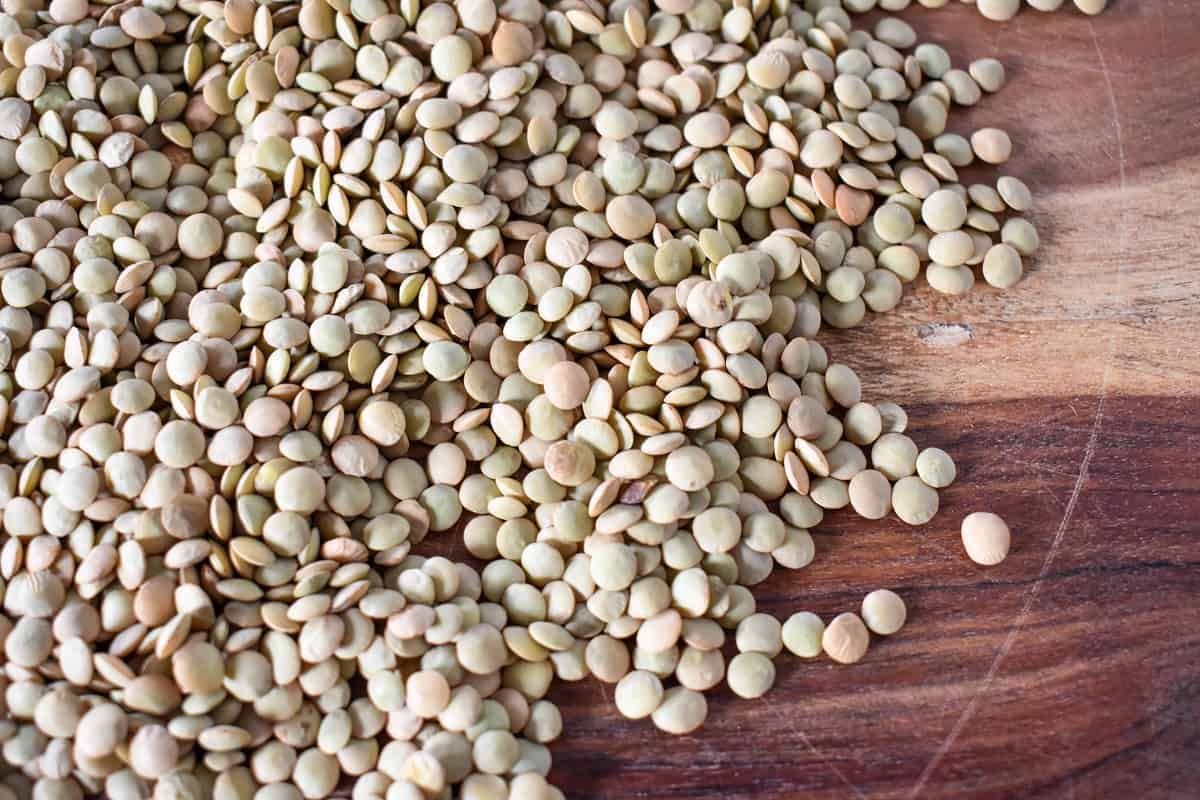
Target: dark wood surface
[1071, 404]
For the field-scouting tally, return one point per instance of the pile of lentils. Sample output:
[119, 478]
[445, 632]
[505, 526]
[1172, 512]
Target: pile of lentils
[289, 288]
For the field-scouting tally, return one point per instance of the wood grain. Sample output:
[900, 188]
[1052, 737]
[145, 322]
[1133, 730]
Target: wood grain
[1072, 404]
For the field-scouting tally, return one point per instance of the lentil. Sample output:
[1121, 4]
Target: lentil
[985, 537]
[883, 612]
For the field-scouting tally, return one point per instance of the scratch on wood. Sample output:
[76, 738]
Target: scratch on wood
[945, 334]
[1116, 114]
[808, 743]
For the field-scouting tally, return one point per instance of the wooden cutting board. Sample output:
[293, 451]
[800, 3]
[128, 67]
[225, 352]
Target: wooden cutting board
[1071, 405]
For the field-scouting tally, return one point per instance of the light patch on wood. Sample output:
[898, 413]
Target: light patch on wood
[945, 334]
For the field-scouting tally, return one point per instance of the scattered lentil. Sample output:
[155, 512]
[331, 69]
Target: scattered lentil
[883, 612]
[985, 537]
[845, 639]
[802, 634]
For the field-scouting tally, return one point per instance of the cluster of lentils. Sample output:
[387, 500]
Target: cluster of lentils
[288, 287]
